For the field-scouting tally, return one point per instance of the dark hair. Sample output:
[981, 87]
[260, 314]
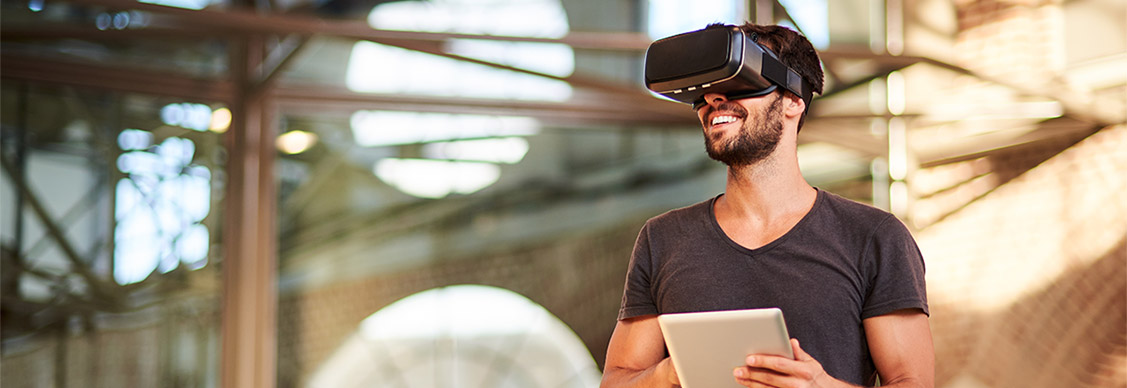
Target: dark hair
[793, 50]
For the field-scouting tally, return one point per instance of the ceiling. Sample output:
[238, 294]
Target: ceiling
[926, 94]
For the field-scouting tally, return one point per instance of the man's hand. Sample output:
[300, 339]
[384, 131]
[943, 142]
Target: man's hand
[780, 372]
[900, 343]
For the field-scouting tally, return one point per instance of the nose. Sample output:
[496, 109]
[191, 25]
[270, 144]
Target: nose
[715, 99]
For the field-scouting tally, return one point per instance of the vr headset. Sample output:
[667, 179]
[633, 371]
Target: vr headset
[721, 60]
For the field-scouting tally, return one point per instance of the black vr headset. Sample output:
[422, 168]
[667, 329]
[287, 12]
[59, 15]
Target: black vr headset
[721, 60]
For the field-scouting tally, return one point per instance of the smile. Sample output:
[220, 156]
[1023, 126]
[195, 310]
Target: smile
[724, 119]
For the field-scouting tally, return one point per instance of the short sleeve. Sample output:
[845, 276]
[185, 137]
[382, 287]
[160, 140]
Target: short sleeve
[637, 296]
[895, 269]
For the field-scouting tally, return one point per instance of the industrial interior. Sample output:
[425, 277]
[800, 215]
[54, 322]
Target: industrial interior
[369, 193]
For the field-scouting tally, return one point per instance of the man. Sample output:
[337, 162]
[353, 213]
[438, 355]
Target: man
[848, 277]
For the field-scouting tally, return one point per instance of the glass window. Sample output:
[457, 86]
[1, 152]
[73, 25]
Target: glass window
[109, 263]
[472, 146]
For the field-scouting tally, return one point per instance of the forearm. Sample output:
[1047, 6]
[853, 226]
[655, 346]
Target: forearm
[900, 383]
[907, 382]
[658, 375]
[835, 383]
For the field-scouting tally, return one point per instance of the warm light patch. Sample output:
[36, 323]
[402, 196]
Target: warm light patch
[295, 142]
[1025, 234]
[220, 120]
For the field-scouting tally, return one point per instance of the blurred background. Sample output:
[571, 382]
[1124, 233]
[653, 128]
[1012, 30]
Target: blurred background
[369, 193]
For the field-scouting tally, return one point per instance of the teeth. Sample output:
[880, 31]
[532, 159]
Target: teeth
[723, 119]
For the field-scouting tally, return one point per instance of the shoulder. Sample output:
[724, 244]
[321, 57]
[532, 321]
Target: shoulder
[679, 221]
[878, 232]
[851, 209]
[852, 213]
[688, 214]
[847, 218]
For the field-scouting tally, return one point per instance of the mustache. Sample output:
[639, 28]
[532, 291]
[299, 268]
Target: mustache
[728, 106]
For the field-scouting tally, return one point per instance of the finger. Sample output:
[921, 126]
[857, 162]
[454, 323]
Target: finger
[740, 373]
[754, 377]
[754, 384]
[799, 354]
[778, 364]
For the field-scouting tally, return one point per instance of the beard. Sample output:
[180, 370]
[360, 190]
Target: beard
[758, 136]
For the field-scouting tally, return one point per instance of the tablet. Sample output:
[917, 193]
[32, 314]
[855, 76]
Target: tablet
[707, 346]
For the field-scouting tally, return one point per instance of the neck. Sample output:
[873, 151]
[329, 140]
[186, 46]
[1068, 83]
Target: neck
[769, 190]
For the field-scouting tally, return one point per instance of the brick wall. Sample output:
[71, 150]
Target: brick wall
[1027, 256]
[577, 278]
[1028, 284]
[1016, 40]
[175, 345]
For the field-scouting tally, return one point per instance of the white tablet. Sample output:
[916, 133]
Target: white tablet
[707, 346]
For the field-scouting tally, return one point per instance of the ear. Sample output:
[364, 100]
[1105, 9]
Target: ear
[794, 106]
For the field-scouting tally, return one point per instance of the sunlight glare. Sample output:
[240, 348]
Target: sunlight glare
[186, 4]
[159, 207]
[671, 17]
[509, 150]
[383, 128]
[436, 178]
[531, 18]
[376, 68]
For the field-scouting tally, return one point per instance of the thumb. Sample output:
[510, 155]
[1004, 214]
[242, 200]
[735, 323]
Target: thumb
[799, 354]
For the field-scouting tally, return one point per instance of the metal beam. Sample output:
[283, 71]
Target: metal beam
[597, 108]
[249, 271]
[98, 286]
[54, 30]
[247, 21]
[1077, 104]
[267, 72]
[638, 110]
[988, 144]
[116, 78]
[603, 85]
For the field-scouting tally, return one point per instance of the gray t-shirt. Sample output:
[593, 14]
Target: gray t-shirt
[842, 263]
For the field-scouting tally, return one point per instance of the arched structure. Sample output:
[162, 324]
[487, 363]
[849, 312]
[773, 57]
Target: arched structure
[460, 336]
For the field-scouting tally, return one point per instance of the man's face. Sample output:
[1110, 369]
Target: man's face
[733, 135]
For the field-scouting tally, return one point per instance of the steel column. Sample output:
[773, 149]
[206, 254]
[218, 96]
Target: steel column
[249, 297]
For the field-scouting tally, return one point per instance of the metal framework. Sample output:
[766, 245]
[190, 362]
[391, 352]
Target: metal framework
[254, 92]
